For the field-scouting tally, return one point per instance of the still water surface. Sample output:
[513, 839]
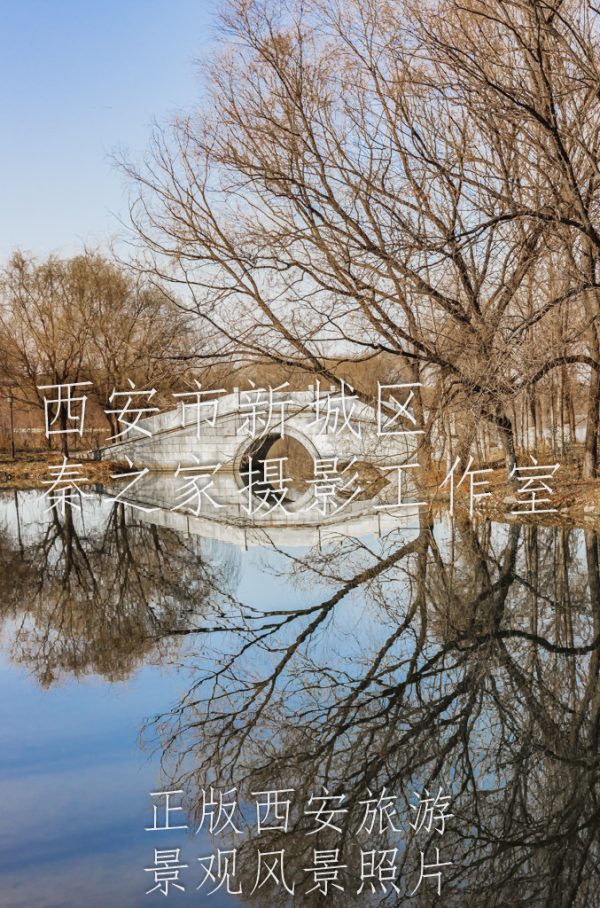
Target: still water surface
[138, 658]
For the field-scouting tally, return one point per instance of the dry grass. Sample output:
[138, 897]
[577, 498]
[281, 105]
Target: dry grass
[30, 470]
[577, 501]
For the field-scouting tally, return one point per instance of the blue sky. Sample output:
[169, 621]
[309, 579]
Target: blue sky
[79, 81]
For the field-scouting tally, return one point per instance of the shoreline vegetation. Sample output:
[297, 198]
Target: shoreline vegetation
[576, 500]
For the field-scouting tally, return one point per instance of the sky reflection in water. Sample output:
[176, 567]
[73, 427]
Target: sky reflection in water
[424, 659]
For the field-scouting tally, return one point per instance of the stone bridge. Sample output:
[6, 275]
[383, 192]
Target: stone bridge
[174, 437]
[175, 441]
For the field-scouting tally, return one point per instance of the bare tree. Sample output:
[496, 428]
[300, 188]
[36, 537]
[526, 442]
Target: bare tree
[528, 72]
[44, 330]
[86, 318]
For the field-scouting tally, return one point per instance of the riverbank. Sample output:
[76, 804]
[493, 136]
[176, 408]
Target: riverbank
[31, 470]
[576, 501]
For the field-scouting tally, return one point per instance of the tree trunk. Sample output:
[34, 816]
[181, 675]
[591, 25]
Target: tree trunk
[590, 454]
[507, 439]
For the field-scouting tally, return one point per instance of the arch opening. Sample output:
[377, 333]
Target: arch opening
[296, 466]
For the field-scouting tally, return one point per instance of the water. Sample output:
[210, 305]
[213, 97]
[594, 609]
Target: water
[455, 659]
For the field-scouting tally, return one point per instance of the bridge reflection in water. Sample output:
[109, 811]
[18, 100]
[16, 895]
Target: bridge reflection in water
[154, 501]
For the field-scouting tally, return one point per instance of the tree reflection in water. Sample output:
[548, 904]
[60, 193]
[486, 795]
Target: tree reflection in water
[467, 662]
[103, 600]
[463, 658]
